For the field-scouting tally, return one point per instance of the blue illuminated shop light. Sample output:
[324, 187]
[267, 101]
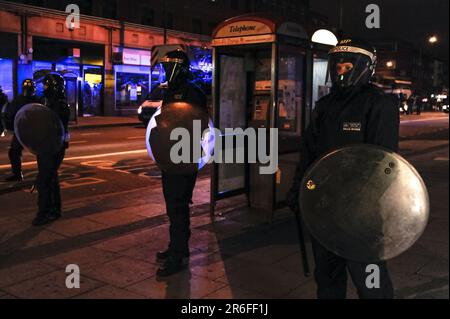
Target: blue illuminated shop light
[201, 69]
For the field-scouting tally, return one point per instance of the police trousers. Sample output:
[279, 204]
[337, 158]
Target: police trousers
[331, 276]
[47, 182]
[15, 156]
[178, 191]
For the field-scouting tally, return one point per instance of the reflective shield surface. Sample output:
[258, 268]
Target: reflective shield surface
[364, 203]
[39, 129]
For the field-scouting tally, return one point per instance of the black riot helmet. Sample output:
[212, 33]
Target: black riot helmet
[176, 66]
[351, 63]
[28, 88]
[54, 86]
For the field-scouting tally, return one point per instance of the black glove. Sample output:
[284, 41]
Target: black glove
[292, 199]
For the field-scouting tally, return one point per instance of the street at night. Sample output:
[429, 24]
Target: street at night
[115, 221]
[223, 158]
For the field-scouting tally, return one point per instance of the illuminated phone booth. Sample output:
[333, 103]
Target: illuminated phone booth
[260, 71]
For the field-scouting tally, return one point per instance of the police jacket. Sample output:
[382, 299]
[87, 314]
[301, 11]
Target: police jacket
[185, 92]
[362, 115]
[14, 107]
[3, 102]
[3, 99]
[62, 109]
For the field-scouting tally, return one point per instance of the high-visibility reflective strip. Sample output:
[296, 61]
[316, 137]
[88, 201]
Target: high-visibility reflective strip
[352, 50]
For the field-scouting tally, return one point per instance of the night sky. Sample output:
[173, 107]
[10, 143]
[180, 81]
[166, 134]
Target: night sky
[411, 20]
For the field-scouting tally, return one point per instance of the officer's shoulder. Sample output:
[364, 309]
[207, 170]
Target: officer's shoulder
[157, 93]
[323, 101]
[195, 89]
[375, 91]
[381, 98]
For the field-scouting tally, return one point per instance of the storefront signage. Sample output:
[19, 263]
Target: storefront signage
[243, 28]
[132, 57]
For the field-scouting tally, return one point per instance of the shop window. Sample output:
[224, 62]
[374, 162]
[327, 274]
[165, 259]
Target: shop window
[92, 90]
[132, 86]
[6, 77]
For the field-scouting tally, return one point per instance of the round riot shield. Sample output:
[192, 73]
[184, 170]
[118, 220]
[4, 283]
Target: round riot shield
[180, 138]
[364, 203]
[39, 129]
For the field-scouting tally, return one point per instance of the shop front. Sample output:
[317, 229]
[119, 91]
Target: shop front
[81, 65]
[132, 74]
[8, 57]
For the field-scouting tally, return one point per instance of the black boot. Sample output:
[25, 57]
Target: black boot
[14, 178]
[54, 214]
[171, 266]
[161, 256]
[42, 219]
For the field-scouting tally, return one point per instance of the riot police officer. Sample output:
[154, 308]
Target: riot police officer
[354, 112]
[15, 150]
[178, 188]
[47, 182]
[3, 103]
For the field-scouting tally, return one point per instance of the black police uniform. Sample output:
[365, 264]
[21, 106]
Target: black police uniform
[3, 102]
[47, 182]
[361, 114]
[178, 189]
[15, 149]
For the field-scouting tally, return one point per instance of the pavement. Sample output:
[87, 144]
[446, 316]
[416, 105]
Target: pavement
[113, 232]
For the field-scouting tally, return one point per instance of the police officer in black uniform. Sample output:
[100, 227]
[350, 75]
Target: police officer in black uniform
[355, 111]
[15, 150]
[47, 181]
[3, 103]
[178, 189]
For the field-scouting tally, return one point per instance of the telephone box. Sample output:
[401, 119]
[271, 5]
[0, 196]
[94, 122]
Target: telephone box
[262, 71]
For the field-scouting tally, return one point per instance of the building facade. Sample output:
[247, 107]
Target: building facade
[195, 16]
[402, 66]
[106, 60]
[106, 63]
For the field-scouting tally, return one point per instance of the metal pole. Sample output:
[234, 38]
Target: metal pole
[301, 239]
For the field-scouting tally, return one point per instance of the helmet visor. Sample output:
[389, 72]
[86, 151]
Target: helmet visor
[348, 69]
